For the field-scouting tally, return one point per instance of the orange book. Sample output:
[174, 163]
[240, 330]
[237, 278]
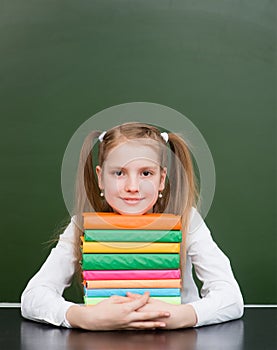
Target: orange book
[157, 221]
[164, 283]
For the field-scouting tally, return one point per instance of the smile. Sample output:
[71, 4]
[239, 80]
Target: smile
[132, 200]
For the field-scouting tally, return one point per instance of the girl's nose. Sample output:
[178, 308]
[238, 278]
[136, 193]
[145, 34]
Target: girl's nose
[132, 184]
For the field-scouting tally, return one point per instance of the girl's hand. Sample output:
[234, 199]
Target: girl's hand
[181, 316]
[116, 313]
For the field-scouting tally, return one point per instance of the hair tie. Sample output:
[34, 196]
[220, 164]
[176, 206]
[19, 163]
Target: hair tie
[164, 135]
[101, 136]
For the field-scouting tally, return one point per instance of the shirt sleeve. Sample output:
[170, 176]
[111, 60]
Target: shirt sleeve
[42, 298]
[221, 296]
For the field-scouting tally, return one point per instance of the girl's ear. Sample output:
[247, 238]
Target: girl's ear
[163, 177]
[98, 170]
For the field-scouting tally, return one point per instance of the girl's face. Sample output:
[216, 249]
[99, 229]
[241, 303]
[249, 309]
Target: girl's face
[131, 178]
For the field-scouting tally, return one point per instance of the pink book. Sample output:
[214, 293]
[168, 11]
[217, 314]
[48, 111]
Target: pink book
[130, 274]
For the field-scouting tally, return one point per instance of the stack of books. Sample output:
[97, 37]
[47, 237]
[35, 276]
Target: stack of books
[134, 253]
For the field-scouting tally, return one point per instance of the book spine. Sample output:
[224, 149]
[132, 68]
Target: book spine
[130, 247]
[112, 284]
[162, 236]
[122, 292]
[130, 261]
[131, 274]
[116, 221]
[96, 300]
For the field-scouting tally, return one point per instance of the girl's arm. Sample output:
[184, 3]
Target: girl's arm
[42, 298]
[117, 313]
[181, 316]
[221, 296]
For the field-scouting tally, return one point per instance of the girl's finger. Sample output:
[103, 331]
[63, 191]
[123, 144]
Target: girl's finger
[133, 295]
[121, 299]
[137, 303]
[150, 315]
[146, 325]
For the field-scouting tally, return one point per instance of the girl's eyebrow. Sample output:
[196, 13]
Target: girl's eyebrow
[152, 167]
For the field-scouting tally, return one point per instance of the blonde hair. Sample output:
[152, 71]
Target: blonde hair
[181, 189]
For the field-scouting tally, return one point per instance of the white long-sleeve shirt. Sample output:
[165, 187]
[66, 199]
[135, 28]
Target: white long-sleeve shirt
[220, 300]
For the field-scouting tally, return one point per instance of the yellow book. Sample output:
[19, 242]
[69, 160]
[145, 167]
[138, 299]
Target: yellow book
[130, 247]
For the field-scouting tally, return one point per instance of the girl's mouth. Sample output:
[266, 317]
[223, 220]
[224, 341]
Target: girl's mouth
[132, 200]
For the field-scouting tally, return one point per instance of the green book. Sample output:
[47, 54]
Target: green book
[133, 236]
[130, 261]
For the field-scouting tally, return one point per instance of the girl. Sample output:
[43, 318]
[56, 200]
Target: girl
[133, 177]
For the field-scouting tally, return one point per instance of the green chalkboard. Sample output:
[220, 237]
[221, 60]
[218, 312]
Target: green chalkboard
[213, 61]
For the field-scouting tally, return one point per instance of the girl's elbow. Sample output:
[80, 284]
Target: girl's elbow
[24, 306]
[238, 307]
[234, 306]
[29, 304]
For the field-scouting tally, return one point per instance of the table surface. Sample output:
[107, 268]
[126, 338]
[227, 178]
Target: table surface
[256, 330]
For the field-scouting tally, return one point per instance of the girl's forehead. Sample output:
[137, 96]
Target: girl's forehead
[132, 150]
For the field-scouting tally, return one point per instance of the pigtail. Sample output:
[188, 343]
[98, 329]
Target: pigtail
[86, 190]
[183, 191]
[85, 184]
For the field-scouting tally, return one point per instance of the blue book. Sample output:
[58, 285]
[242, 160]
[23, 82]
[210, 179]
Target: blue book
[122, 292]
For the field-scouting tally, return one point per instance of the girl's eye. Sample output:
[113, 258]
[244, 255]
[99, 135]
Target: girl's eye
[118, 173]
[146, 173]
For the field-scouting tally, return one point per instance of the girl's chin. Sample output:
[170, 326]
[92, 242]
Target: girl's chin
[131, 212]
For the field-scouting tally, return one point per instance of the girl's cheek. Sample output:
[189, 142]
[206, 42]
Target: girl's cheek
[117, 186]
[148, 187]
